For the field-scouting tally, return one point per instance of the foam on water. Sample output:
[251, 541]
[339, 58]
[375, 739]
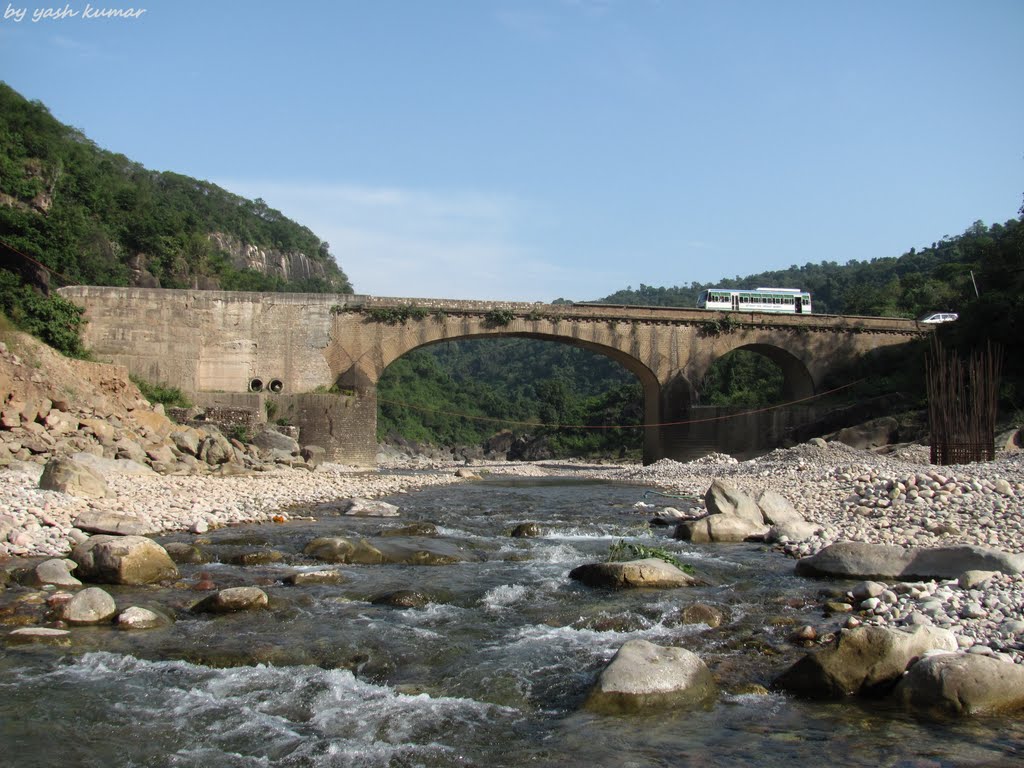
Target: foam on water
[503, 597]
[195, 715]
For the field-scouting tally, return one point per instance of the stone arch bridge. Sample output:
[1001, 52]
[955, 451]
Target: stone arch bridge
[324, 353]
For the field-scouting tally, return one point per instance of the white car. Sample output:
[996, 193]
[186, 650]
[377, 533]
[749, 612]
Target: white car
[939, 317]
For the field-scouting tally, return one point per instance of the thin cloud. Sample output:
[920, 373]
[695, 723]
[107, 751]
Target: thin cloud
[424, 243]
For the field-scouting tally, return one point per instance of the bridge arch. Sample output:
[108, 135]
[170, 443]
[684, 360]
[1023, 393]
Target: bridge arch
[798, 383]
[648, 380]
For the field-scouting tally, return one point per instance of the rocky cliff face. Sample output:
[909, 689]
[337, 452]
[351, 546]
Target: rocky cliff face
[288, 266]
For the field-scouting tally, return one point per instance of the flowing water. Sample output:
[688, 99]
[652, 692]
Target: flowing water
[492, 670]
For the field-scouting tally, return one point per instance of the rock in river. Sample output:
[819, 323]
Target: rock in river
[863, 660]
[232, 600]
[396, 549]
[642, 674]
[649, 572]
[123, 560]
[962, 684]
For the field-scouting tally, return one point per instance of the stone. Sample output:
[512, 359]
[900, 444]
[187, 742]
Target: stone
[154, 422]
[313, 455]
[412, 529]
[232, 600]
[871, 434]
[403, 598]
[776, 509]
[123, 560]
[865, 660]
[103, 432]
[962, 684]
[57, 571]
[141, 618]
[527, 530]
[307, 578]
[395, 549]
[216, 449]
[186, 554]
[69, 476]
[114, 523]
[272, 440]
[360, 507]
[90, 606]
[643, 675]
[108, 467]
[42, 635]
[186, 440]
[972, 579]
[725, 498]
[794, 530]
[854, 559]
[699, 613]
[649, 572]
[725, 527]
[161, 454]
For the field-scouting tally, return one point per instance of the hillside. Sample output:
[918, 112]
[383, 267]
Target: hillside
[95, 217]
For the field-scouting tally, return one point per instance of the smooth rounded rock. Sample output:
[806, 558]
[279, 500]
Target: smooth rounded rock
[90, 606]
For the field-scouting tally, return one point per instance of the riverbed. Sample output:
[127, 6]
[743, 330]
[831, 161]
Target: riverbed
[491, 667]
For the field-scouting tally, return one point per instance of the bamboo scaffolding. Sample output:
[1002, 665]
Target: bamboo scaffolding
[963, 400]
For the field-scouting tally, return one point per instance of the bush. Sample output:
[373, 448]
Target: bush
[53, 319]
[159, 393]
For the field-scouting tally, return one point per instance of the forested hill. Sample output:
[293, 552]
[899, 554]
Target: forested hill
[95, 217]
[933, 279]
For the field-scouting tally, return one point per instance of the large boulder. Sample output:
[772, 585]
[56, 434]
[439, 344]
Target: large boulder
[721, 528]
[272, 440]
[854, 559]
[732, 516]
[649, 572]
[123, 560]
[776, 509]
[90, 606]
[187, 440]
[642, 675]
[724, 498]
[962, 684]
[71, 477]
[216, 449]
[865, 660]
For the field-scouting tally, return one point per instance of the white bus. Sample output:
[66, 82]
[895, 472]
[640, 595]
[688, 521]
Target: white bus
[787, 300]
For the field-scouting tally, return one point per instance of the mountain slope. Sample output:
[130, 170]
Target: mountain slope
[95, 217]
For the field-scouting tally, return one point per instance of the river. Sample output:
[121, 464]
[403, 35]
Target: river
[492, 670]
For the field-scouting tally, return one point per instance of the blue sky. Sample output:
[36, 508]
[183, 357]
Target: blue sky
[534, 149]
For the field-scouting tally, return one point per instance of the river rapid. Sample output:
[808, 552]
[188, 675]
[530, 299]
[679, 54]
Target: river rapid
[491, 670]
